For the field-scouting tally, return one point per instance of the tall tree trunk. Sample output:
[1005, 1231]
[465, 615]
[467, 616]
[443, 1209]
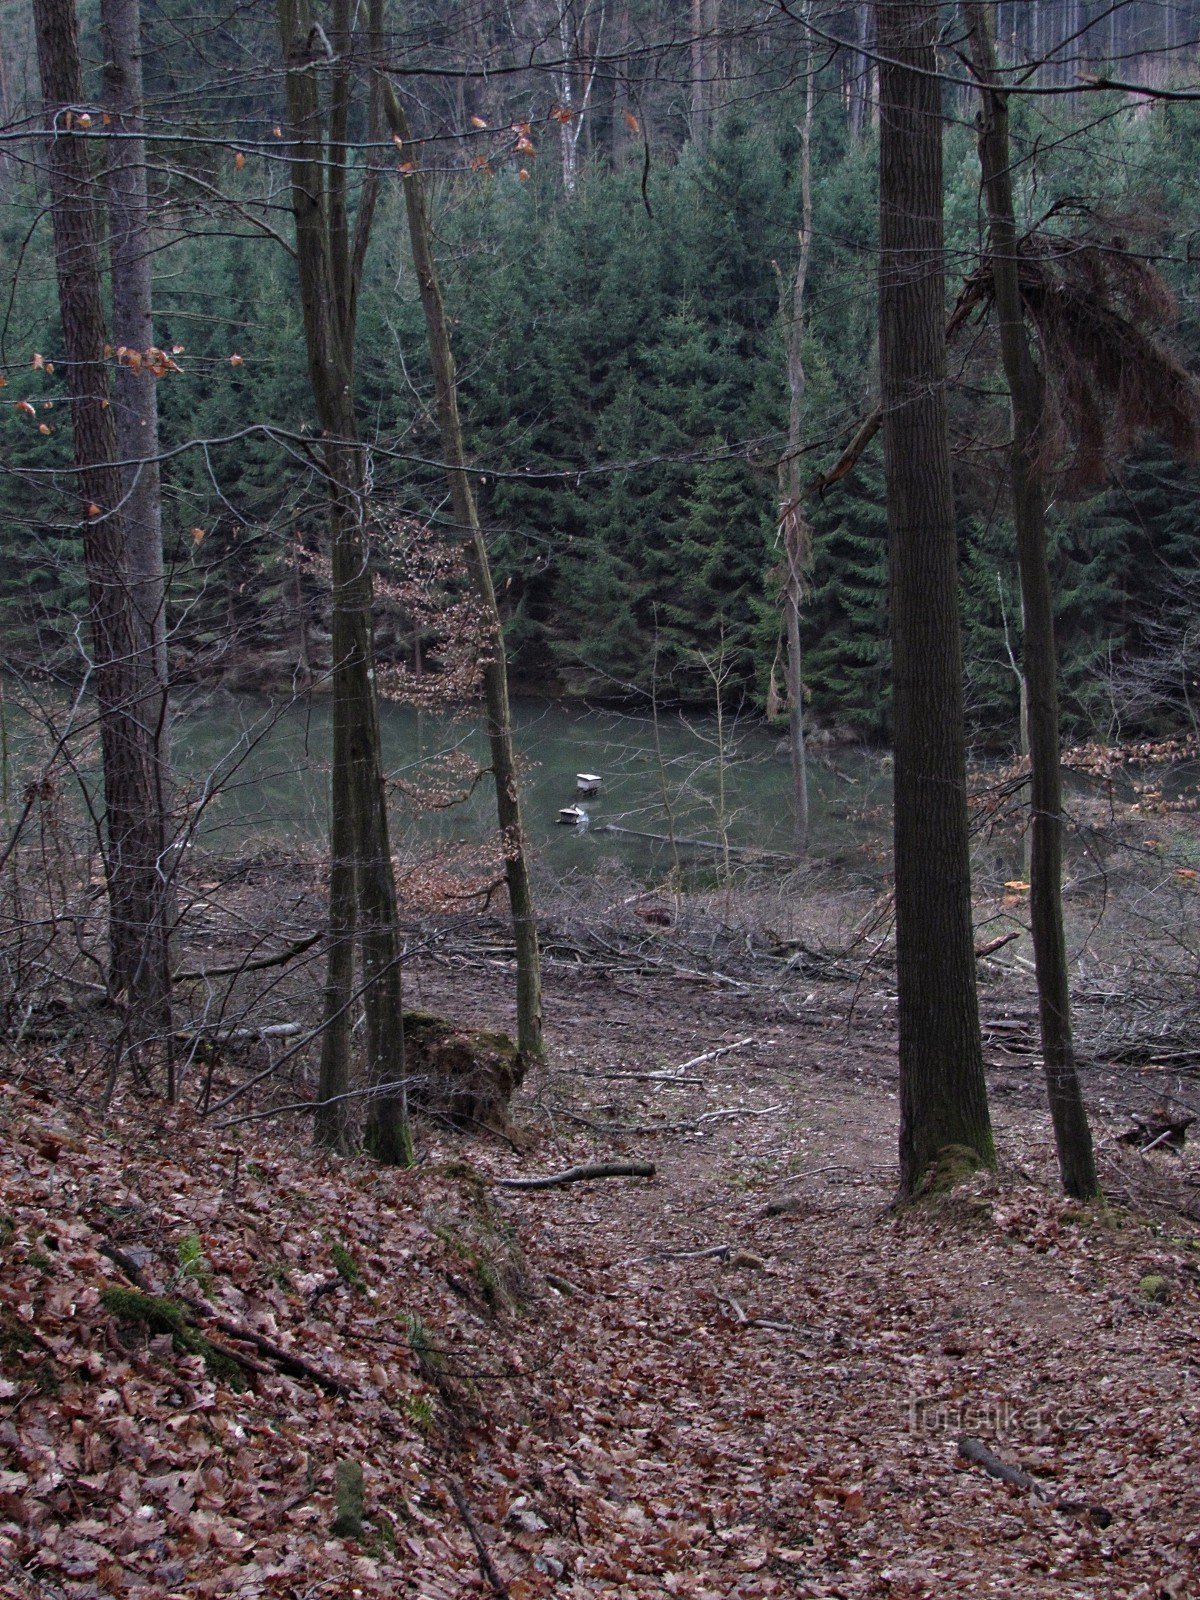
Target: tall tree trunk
[1072, 1135]
[495, 671]
[133, 869]
[943, 1098]
[795, 529]
[136, 396]
[362, 885]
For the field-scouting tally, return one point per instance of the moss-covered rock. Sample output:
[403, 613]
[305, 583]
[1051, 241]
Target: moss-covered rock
[1155, 1287]
[466, 1075]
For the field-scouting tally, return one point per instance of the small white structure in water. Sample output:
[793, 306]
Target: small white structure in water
[573, 816]
[587, 782]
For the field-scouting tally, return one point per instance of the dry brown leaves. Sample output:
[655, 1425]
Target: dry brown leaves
[785, 1426]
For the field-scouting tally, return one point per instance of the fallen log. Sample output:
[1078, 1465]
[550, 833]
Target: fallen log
[583, 1174]
[975, 1450]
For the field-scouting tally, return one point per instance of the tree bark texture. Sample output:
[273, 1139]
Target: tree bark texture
[136, 401]
[136, 390]
[495, 670]
[139, 966]
[1072, 1134]
[362, 885]
[943, 1099]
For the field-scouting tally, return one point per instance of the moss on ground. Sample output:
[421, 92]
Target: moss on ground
[161, 1314]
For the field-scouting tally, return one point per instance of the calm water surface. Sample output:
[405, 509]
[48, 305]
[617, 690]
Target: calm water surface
[268, 767]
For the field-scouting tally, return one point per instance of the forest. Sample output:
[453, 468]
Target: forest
[622, 355]
[599, 770]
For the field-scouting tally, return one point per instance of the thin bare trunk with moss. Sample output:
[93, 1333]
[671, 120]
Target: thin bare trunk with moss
[495, 670]
[1072, 1135]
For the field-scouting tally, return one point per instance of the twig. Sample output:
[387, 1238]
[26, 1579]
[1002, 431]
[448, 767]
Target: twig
[713, 1055]
[262, 965]
[697, 844]
[583, 1174]
[286, 1360]
[813, 1172]
[720, 1251]
[670, 1127]
[486, 1565]
[1167, 1133]
[743, 1321]
[649, 1077]
[368, 1091]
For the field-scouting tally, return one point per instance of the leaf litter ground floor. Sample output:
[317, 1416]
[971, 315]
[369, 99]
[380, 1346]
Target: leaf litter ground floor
[746, 1377]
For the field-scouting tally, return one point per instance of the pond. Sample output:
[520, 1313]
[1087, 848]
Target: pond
[260, 767]
[268, 766]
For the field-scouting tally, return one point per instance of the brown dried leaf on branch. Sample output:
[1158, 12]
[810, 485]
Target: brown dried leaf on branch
[1101, 313]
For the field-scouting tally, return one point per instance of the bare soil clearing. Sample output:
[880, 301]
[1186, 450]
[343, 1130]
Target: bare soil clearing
[635, 1387]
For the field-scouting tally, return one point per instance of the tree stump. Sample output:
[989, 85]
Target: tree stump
[466, 1075]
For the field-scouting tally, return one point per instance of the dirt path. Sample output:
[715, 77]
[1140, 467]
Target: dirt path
[784, 1420]
[744, 1378]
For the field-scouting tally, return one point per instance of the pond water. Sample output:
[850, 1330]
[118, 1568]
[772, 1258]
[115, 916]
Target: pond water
[261, 769]
[268, 764]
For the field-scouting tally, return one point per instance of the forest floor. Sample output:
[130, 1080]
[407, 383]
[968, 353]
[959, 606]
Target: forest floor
[746, 1376]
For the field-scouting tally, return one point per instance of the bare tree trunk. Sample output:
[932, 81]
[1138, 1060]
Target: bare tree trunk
[712, 60]
[943, 1098]
[1072, 1135]
[495, 671]
[574, 35]
[699, 105]
[133, 869]
[136, 396]
[330, 266]
[860, 73]
[795, 529]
